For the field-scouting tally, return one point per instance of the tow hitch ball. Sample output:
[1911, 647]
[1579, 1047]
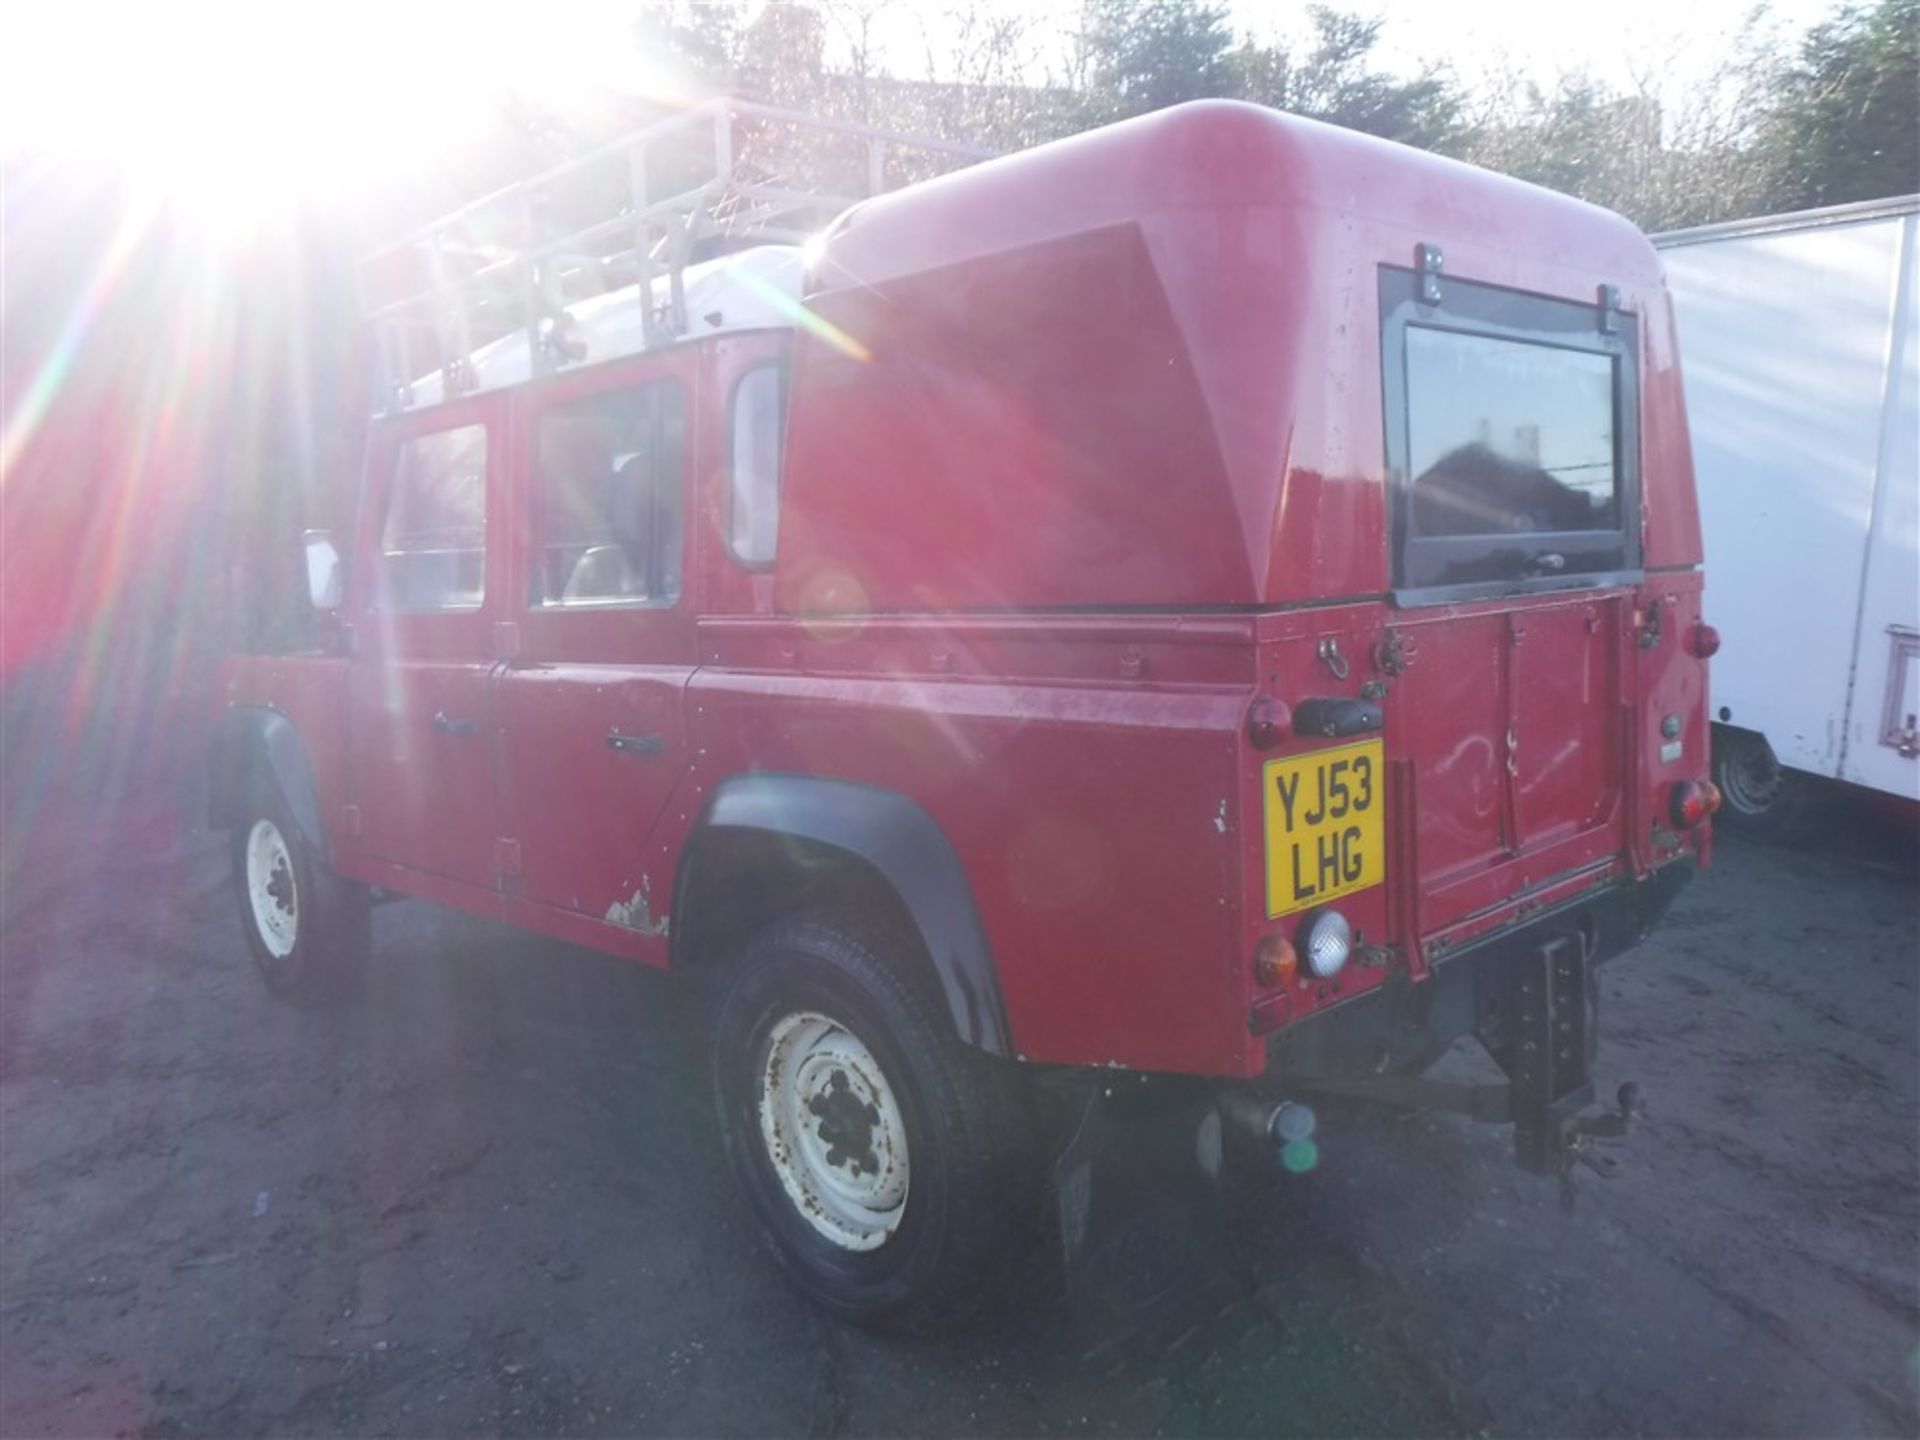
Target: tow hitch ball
[1606, 1125]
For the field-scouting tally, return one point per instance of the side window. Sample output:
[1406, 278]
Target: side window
[433, 541]
[608, 496]
[756, 424]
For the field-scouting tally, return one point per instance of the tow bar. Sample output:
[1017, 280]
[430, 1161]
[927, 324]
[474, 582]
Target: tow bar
[1538, 1022]
[1135, 1184]
[1548, 1058]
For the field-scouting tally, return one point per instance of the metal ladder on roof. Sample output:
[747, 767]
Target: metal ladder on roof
[638, 210]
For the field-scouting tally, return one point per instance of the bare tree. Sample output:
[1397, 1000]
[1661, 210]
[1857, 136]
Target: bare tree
[1665, 151]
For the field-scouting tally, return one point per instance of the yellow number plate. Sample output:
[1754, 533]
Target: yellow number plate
[1326, 825]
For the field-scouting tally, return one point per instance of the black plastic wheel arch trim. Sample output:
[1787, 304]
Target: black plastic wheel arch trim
[248, 734]
[906, 847]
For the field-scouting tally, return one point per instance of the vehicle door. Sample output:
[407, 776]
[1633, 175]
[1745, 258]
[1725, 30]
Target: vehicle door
[591, 731]
[422, 743]
[1514, 450]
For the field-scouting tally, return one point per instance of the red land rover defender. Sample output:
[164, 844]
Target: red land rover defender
[1217, 596]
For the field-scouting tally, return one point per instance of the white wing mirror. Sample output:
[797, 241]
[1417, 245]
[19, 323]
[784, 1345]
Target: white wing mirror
[326, 574]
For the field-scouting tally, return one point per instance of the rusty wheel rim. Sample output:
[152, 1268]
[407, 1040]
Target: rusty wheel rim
[833, 1131]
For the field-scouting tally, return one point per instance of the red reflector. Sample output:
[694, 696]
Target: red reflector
[1694, 801]
[1706, 640]
[1267, 722]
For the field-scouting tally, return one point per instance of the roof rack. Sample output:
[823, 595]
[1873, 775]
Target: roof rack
[710, 179]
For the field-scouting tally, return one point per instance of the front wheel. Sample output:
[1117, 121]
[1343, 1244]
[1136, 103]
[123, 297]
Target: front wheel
[886, 1161]
[307, 929]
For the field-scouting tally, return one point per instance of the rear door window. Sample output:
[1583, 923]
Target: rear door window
[609, 494]
[1512, 438]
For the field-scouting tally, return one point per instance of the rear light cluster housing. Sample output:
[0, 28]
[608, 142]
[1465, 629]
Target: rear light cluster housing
[1326, 944]
[1693, 802]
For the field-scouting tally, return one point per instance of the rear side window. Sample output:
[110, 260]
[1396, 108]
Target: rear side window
[1512, 438]
[433, 539]
[756, 425]
[608, 495]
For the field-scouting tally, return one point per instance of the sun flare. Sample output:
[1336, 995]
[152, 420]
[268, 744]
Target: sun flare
[236, 113]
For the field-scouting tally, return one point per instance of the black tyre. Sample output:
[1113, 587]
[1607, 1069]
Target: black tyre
[309, 931]
[887, 1162]
[1759, 797]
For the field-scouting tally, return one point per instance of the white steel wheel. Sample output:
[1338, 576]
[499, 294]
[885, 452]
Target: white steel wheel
[273, 896]
[833, 1131]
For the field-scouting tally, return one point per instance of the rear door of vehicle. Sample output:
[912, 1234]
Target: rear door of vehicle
[1513, 459]
[428, 588]
[592, 734]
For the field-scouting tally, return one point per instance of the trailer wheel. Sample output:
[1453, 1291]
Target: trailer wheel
[886, 1162]
[1760, 797]
[308, 930]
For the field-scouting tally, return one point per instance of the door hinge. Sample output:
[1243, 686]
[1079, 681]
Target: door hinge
[1429, 261]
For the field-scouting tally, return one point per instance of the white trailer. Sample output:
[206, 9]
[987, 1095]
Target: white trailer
[1801, 357]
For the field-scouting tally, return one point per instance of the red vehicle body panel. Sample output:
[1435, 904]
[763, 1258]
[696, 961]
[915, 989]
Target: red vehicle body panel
[1193, 296]
[1101, 464]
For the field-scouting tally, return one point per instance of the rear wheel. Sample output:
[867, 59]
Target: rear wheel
[308, 930]
[885, 1160]
[1760, 797]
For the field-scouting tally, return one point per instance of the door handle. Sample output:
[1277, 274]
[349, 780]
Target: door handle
[636, 744]
[446, 725]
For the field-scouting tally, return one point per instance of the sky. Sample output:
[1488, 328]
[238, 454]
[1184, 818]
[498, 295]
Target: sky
[249, 105]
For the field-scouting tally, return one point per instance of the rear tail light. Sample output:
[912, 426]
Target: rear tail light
[1706, 640]
[1693, 802]
[1274, 961]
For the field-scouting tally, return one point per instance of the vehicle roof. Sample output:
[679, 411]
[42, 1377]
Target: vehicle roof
[1205, 154]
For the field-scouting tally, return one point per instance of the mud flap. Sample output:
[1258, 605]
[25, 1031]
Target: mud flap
[1141, 1220]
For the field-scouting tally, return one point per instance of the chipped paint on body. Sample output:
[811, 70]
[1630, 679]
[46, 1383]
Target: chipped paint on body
[635, 913]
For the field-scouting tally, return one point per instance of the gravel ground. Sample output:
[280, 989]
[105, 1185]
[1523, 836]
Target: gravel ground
[484, 1198]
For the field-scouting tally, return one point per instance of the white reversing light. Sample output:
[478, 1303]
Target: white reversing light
[1329, 942]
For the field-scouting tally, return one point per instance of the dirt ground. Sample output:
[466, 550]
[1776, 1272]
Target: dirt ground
[485, 1198]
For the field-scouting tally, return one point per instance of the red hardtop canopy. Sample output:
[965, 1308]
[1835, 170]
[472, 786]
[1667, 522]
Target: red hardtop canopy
[1140, 367]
